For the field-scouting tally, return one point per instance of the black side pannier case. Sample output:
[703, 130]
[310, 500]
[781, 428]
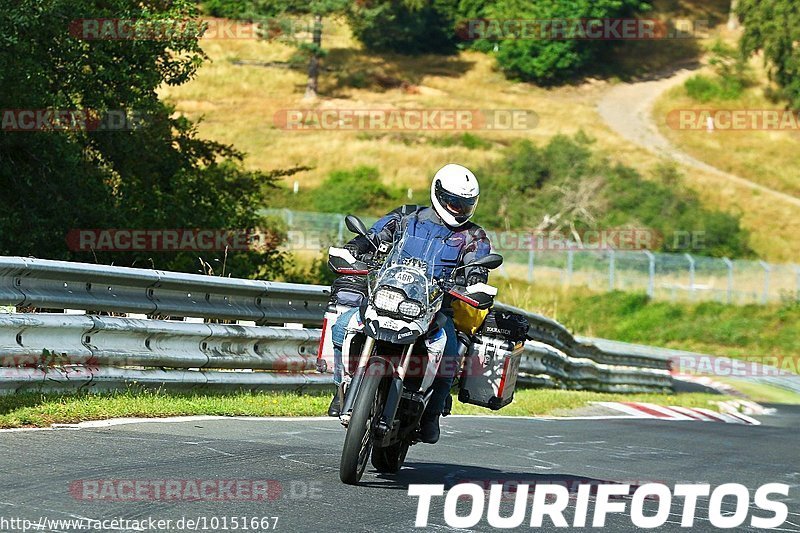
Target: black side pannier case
[491, 365]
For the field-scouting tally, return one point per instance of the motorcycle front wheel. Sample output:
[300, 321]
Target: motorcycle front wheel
[389, 459]
[358, 441]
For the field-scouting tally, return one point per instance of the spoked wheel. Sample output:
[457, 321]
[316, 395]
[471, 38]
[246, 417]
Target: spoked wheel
[390, 459]
[358, 441]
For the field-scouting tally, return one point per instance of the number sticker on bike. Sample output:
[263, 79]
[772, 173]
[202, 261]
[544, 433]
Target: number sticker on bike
[404, 277]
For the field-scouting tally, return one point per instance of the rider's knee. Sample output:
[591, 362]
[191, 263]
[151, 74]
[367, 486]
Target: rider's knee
[339, 328]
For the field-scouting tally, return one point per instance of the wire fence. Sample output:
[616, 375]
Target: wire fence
[663, 276]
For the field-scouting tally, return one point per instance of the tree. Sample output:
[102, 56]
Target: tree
[152, 173]
[406, 26]
[282, 25]
[773, 26]
[545, 58]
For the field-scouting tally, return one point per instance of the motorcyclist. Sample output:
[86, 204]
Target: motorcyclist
[454, 197]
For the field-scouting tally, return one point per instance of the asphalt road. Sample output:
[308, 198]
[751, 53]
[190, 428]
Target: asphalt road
[37, 469]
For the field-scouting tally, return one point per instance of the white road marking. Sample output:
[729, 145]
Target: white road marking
[630, 413]
[678, 414]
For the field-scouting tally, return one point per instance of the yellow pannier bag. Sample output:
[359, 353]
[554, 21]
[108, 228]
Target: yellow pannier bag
[467, 319]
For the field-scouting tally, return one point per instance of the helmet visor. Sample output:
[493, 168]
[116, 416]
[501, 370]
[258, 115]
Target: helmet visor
[461, 208]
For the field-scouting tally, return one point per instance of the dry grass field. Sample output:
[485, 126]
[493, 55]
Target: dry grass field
[238, 92]
[766, 157]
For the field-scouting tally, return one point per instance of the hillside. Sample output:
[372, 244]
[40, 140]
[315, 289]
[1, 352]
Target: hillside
[239, 92]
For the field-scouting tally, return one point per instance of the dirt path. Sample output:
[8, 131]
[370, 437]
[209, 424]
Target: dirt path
[628, 109]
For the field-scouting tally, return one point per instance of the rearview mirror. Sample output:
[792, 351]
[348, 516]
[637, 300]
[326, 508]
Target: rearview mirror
[355, 225]
[490, 261]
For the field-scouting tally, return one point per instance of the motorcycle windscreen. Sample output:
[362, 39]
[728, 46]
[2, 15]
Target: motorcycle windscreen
[432, 248]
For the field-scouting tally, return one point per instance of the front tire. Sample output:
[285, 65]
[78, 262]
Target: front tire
[390, 459]
[358, 441]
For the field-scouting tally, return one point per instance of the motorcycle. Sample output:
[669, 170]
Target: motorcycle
[387, 391]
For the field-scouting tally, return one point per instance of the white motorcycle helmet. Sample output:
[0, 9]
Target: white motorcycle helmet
[454, 194]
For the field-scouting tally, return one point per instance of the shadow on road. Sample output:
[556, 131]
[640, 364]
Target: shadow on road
[451, 474]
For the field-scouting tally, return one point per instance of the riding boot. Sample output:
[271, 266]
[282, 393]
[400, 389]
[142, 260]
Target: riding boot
[336, 405]
[429, 428]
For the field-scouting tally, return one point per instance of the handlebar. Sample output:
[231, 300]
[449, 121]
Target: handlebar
[479, 300]
[343, 262]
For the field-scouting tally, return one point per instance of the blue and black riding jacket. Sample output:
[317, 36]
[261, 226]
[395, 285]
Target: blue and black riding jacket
[465, 244]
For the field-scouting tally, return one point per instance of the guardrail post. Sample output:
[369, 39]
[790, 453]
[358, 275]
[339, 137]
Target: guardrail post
[611, 267]
[729, 264]
[797, 281]
[503, 271]
[691, 274]
[340, 234]
[530, 265]
[767, 270]
[570, 257]
[651, 273]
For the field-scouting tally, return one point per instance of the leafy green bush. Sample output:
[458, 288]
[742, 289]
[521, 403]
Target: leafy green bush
[731, 78]
[232, 9]
[245, 9]
[350, 191]
[705, 89]
[404, 27]
[545, 59]
[467, 140]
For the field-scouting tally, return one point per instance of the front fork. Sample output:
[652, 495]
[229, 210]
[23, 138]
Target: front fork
[355, 383]
[395, 388]
[395, 393]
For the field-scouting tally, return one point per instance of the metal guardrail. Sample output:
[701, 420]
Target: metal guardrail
[94, 351]
[98, 353]
[27, 282]
[754, 372]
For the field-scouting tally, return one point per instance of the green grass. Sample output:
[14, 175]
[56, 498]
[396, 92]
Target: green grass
[706, 89]
[762, 393]
[761, 156]
[38, 410]
[749, 331]
[536, 402]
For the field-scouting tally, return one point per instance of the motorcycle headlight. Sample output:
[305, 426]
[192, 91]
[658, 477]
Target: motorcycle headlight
[388, 300]
[410, 308]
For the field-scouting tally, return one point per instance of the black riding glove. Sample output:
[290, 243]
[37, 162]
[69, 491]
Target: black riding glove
[477, 275]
